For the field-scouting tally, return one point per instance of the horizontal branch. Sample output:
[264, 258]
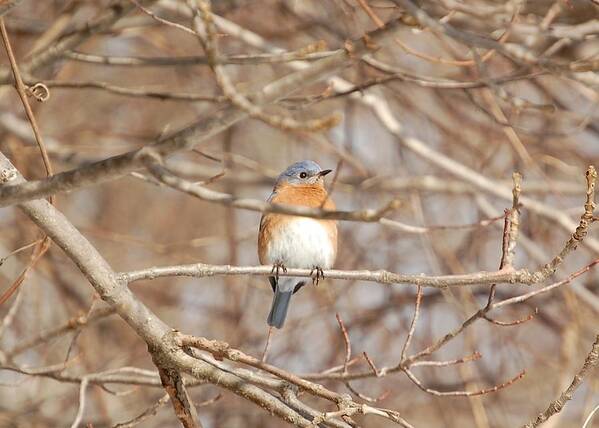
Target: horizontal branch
[154, 164]
[381, 109]
[505, 275]
[306, 54]
[130, 92]
[200, 270]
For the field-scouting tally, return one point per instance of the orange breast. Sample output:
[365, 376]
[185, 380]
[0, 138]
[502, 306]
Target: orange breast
[310, 196]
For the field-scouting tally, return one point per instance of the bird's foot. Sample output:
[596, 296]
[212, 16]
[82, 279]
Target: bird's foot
[276, 267]
[316, 274]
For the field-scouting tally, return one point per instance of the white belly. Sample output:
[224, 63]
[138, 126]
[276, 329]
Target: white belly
[302, 243]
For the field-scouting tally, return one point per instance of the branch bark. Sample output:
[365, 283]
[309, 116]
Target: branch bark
[590, 363]
[159, 337]
[185, 139]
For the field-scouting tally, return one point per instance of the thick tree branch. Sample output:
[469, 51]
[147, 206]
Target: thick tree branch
[187, 138]
[173, 383]
[144, 322]
[161, 340]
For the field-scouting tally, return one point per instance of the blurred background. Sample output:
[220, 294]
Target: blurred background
[137, 79]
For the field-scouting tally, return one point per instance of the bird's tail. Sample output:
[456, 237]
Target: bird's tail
[278, 310]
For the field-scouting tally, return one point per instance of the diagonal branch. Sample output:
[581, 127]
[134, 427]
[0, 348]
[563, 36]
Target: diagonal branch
[44, 244]
[172, 382]
[590, 363]
[186, 138]
[7, 5]
[204, 23]
[159, 337]
[386, 116]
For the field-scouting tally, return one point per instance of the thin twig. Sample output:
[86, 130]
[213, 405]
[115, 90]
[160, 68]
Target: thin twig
[18, 250]
[22, 91]
[346, 341]
[483, 391]
[74, 323]
[150, 411]
[44, 244]
[590, 362]
[267, 344]
[80, 410]
[204, 24]
[589, 418]
[154, 164]
[406, 345]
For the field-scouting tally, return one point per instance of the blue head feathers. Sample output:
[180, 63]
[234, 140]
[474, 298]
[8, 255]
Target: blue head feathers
[302, 173]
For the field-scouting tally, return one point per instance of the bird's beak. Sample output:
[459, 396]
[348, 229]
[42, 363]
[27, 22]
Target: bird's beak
[324, 172]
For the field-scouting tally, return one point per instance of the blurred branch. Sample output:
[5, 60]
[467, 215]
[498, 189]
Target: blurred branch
[162, 342]
[7, 5]
[8, 319]
[187, 138]
[204, 25]
[151, 411]
[589, 418]
[72, 324]
[82, 391]
[54, 51]
[311, 52]
[385, 114]
[154, 164]
[123, 375]
[133, 92]
[512, 50]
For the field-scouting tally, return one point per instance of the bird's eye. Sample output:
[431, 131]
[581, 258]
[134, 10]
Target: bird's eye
[303, 175]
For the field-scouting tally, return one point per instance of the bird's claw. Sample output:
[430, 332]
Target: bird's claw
[316, 274]
[276, 267]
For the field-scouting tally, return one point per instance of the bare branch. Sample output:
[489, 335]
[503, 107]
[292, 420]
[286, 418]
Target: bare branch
[185, 410]
[153, 164]
[190, 136]
[591, 361]
[151, 411]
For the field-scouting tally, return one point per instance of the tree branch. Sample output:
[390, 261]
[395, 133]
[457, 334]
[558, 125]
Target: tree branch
[185, 139]
[590, 363]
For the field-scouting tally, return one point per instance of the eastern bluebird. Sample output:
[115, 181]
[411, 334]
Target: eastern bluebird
[297, 242]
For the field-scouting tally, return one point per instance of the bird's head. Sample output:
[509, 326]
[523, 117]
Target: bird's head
[303, 173]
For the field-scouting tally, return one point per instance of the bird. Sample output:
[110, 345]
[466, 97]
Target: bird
[287, 241]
